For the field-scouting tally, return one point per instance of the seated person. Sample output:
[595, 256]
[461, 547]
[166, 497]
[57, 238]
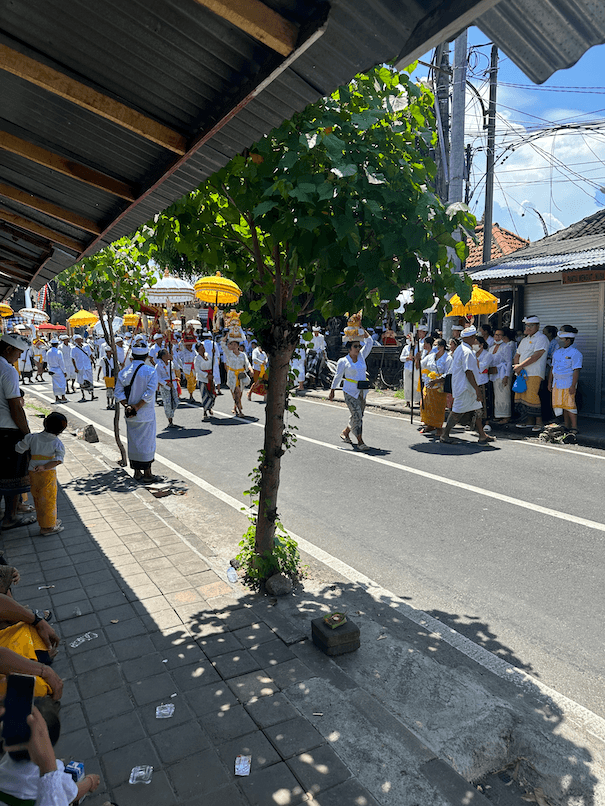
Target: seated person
[30, 773]
[389, 337]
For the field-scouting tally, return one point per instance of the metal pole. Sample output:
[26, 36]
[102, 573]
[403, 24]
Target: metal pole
[456, 188]
[491, 142]
[441, 82]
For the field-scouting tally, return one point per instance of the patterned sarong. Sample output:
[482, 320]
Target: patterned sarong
[528, 403]
[25, 641]
[44, 492]
[563, 400]
[433, 407]
[356, 406]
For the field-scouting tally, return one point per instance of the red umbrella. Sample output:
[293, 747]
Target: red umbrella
[48, 326]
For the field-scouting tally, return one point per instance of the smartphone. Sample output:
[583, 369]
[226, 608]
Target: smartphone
[18, 705]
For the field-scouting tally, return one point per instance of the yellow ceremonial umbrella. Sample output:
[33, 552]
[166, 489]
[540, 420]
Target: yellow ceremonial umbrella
[131, 319]
[217, 290]
[481, 301]
[5, 309]
[83, 318]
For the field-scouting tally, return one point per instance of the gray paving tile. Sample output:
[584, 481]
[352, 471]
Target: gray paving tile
[93, 659]
[125, 629]
[186, 653]
[70, 692]
[224, 725]
[197, 774]
[69, 611]
[267, 711]
[212, 698]
[61, 597]
[319, 769]
[169, 582]
[181, 716]
[158, 793]
[76, 744]
[293, 737]
[222, 644]
[99, 642]
[350, 791]
[108, 705]
[251, 686]
[158, 688]
[142, 667]
[253, 744]
[134, 647]
[256, 633]
[118, 763]
[162, 620]
[72, 718]
[225, 796]
[89, 580]
[117, 731]
[178, 742]
[121, 612]
[107, 600]
[100, 681]
[170, 639]
[235, 664]
[271, 653]
[196, 674]
[275, 785]
[183, 598]
[290, 672]
[78, 625]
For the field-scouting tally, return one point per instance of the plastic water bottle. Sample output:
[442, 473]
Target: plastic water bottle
[231, 574]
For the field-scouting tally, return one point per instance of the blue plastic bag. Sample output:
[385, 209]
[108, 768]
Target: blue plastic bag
[520, 384]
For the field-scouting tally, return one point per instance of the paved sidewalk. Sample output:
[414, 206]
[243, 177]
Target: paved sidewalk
[393, 723]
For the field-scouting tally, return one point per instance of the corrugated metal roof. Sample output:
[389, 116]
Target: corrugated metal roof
[547, 264]
[194, 72]
[543, 36]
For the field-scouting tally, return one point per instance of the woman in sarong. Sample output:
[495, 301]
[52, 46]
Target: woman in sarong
[434, 399]
[203, 373]
[238, 370]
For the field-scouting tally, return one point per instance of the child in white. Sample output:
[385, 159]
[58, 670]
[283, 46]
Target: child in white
[47, 452]
[563, 378]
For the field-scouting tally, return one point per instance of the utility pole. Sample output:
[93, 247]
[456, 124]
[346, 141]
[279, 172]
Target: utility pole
[456, 188]
[491, 144]
[441, 83]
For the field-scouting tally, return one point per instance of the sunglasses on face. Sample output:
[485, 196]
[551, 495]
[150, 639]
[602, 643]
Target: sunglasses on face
[356, 346]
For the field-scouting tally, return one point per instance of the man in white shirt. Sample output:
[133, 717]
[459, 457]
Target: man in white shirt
[530, 359]
[81, 356]
[465, 387]
[407, 359]
[70, 373]
[155, 348]
[56, 368]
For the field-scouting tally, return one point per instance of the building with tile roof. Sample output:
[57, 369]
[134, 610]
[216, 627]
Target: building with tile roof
[503, 243]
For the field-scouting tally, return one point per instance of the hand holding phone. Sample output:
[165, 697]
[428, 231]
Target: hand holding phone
[18, 705]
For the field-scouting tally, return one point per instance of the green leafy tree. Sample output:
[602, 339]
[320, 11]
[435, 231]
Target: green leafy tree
[113, 279]
[331, 212]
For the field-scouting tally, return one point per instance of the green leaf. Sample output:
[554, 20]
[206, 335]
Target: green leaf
[264, 207]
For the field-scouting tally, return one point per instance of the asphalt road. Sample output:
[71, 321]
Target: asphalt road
[505, 544]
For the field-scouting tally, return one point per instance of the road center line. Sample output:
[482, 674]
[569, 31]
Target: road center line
[506, 499]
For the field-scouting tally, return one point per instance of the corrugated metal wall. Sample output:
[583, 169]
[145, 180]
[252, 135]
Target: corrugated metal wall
[579, 306]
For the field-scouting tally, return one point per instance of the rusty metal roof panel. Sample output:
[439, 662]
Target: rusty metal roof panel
[543, 36]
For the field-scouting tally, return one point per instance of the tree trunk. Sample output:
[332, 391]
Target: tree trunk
[277, 396]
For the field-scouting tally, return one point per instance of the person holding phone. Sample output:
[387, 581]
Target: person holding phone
[29, 770]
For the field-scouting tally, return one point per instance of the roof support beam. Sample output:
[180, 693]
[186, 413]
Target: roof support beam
[258, 20]
[65, 166]
[12, 270]
[38, 229]
[96, 102]
[10, 192]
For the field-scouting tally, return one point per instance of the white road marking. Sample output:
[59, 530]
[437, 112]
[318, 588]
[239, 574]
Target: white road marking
[560, 449]
[583, 718]
[506, 499]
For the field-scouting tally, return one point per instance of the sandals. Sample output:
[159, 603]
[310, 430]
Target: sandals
[58, 527]
[448, 440]
[362, 447]
[345, 437]
[26, 521]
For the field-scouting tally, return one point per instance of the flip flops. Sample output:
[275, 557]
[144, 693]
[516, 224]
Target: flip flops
[58, 527]
[26, 521]
[448, 440]
[345, 438]
[362, 447]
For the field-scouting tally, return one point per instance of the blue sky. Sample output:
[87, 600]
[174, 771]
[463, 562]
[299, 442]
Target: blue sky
[560, 174]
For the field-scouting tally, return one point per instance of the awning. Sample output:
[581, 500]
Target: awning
[113, 110]
[543, 265]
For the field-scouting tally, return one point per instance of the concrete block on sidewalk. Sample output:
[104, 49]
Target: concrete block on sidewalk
[451, 785]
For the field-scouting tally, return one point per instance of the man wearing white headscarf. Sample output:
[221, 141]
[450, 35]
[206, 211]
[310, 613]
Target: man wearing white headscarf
[81, 356]
[70, 372]
[135, 390]
[530, 359]
[465, 388]
[56, 368]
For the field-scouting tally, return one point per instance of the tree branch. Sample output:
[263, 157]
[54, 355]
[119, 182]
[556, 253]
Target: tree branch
[279, 302]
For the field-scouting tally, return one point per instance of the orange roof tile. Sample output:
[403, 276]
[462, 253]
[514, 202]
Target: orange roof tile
[503, 243]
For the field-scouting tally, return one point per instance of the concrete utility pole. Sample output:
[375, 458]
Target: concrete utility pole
[441, 84]
[491, 144]
[456, 188]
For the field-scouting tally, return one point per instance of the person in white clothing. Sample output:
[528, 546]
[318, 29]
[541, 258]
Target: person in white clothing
[212, 350]
[81, 356]
[56, 369]
[238, 370]
[135, 390]
[70, 372]
[465, 389]
[260, 362]
[564, 376]
[167, 385]
[26, 363]
[530, 359]
[106, 366]
[502, 353]
[298, 363]
[155, 348]
[203, 374]
[351, 370]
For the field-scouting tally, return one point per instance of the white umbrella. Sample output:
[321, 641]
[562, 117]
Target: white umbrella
[117, 324]
[194, 323]
[34, 315]
[169, 290]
